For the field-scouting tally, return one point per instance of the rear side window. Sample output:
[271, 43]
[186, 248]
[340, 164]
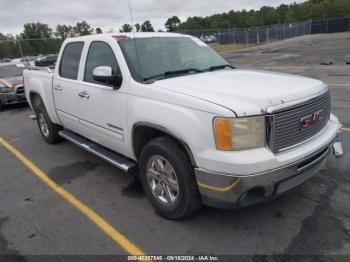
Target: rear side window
[69, 65]
[100, 54]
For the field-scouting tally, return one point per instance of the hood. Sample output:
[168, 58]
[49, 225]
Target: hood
[246, 92]
[11, 81]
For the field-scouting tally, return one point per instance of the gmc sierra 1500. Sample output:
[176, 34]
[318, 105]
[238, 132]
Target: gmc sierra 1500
[195, 129]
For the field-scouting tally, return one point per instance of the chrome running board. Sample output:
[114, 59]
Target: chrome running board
[125, 164]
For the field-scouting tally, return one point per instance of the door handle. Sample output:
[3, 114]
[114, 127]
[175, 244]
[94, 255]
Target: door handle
[58, 88]
[84, 94]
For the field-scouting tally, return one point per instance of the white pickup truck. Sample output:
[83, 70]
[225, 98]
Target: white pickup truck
[196, 130]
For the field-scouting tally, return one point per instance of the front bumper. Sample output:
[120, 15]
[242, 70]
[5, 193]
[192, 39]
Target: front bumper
[233, 191]
[12, 98]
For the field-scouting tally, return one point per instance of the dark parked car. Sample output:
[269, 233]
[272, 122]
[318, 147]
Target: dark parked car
[49, 60]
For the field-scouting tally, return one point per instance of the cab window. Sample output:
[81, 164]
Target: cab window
[100, 54]
[69, 65]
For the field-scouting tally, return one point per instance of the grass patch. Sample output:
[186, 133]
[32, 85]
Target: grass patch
[229, 47]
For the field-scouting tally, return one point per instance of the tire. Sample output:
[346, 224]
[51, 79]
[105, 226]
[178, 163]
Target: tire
[179, 201]
[48, 130]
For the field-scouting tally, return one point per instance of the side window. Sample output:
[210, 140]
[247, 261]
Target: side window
[100, 54]
[69, 65]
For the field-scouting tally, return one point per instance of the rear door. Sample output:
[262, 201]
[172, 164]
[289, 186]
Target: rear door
[66, 86]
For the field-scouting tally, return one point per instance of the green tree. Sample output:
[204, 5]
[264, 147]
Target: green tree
[147, 27]
[34, 38]
[137, 27]
[295, 12]
[83, 28]
[8, 47]
[64, 31]
[126, 28]
[172, 24]
[36, 30]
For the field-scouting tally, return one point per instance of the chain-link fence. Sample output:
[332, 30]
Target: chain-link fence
[28, 49]
[257, 35]
[330, 25]
[253, 35]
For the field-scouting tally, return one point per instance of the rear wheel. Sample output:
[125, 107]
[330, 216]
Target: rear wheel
[48, 130]
[168, 179]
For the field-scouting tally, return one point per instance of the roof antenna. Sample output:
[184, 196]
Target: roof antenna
[135, 42]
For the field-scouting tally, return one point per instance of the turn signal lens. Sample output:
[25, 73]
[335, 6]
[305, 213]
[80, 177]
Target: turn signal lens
[223, 133]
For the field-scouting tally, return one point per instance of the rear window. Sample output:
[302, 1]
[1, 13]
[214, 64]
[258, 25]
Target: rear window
[69, 65]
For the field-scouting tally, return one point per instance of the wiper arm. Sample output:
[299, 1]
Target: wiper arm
[182, 71]
[213, 68]
[151, 79]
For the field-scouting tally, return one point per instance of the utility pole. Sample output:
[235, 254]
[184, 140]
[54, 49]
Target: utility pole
[20, 47]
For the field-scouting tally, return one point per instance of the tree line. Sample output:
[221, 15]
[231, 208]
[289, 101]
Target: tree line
[267, 15]
[38, 38]
[49, 40]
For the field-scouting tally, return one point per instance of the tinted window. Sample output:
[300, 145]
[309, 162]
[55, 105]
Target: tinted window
[70, 60]
[100, 54]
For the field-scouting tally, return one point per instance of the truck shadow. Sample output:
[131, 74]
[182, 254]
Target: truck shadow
[15, 109]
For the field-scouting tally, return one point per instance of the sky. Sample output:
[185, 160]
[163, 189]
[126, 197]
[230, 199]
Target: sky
[111, 14]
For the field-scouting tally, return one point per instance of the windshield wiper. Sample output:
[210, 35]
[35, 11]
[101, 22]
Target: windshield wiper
[213, 68]
[174, 73]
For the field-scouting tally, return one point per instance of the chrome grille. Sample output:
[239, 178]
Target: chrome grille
[285, 126]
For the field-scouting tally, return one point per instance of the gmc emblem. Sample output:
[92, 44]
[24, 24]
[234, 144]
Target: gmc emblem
[310, 120]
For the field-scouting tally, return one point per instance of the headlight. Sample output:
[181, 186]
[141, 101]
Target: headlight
[239, 133]
[5, 89]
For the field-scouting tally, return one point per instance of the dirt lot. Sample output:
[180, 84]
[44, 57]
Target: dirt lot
[314, 219]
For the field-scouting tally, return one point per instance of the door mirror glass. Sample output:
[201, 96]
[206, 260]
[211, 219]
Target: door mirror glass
[104, 74]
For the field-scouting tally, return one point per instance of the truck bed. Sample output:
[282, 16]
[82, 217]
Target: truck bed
[39, 80]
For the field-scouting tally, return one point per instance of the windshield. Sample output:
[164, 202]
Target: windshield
[11, 70]
[162, 57]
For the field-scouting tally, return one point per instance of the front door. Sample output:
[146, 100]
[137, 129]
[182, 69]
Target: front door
[102, 113]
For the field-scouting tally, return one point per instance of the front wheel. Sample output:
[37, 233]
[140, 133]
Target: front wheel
[48, 130]
[168, 179]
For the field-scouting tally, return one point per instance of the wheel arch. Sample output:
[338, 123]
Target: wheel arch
[143, 132]
[34, 99]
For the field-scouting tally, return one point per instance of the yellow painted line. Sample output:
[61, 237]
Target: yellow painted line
[6, 82]
[346, 129]
[119, 238]
[339, 85]
[218, 189]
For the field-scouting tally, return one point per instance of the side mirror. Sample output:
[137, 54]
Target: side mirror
[104, 74]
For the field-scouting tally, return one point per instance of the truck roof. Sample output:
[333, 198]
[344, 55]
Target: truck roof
[119, 36]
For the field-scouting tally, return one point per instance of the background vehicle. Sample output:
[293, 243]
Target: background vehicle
[198, 130]
[49, 60]
[5, 60]
[11, 84]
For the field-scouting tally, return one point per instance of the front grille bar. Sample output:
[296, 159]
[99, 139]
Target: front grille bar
[283, 130]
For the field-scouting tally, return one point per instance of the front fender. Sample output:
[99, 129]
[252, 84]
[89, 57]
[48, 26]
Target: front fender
[193, 128]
